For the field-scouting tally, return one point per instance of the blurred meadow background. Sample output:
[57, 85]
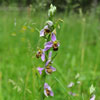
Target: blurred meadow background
[77, 62]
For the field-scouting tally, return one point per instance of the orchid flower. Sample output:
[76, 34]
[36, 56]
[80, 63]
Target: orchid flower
[44, 31]
[53, 43]
[41, 53]
[47, 90]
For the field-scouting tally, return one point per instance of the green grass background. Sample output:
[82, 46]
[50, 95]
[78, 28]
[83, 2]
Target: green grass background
[79, 52]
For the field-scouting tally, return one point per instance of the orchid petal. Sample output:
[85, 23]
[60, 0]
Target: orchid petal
[53, 37]
[49, 44]
[42, 33]
[40, 70]
[45, 85]
[43, 56]
[46, 27]
[47, 48]
[51, 93]
[53, 69]
[50, 53]
[45, 93]
[47, 62]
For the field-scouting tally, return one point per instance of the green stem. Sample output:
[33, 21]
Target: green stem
[42, 97]
[42, 86]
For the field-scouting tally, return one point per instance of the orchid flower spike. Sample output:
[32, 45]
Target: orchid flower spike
[48, 68]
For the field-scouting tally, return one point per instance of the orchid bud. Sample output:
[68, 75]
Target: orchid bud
[52, 10]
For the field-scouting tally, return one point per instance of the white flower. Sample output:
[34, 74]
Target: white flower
[71, 85]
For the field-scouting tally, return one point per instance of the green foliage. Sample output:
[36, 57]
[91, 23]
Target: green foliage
[79, 53]
[61, 5]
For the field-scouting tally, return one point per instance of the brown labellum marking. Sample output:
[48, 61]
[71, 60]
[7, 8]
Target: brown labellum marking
[49, 70]
[55, 47]
[39, 54]
[48, 92]
[47, 31]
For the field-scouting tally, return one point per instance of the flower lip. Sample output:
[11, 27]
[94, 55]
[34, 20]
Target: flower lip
[55, 45]
[39, 53]
[46, 31]
[49, 69]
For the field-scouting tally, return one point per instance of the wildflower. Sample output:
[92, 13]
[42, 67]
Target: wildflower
[44, 31]
[47, 90]
[41, 54]
[78, 82]
[54, 43]
[93, 97]
[48, 69]
[48, 32]
[71, 85]
[40, 70]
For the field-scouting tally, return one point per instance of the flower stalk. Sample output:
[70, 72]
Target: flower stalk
[44, 77]
[51, 45]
